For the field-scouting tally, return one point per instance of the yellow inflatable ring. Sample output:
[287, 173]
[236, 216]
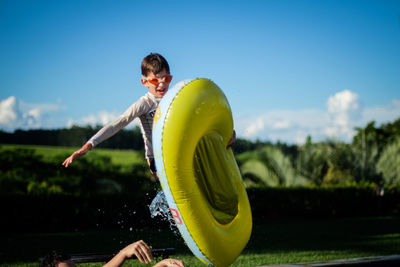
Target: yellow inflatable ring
[198, 174]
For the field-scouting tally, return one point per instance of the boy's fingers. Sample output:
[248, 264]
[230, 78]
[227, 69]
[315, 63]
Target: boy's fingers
[146, 250]
[67, 162]
[143, 255]
[76, 154]
[142, 251]
[139, 256]
[149, 255]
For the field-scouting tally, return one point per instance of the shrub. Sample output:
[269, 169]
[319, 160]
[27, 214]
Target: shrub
[70, 212]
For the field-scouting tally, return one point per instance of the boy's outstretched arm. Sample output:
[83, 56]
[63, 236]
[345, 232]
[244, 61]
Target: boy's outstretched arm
[82, 151]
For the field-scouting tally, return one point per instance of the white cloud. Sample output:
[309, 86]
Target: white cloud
[344, 109]
[16, 114]
[285, 125]
[344, 112]
[8, 112]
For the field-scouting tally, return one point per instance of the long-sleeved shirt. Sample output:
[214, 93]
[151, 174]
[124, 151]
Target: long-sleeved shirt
[144, 109]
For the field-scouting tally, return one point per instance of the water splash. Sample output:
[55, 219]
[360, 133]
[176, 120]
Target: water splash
[159, 207]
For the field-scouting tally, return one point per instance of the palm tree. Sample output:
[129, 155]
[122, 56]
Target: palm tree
[268, 166]
[389, 163]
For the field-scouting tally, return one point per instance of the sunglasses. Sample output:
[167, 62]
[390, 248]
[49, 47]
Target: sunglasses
[166, 79]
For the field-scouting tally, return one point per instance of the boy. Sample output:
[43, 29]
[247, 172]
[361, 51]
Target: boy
[156, 77]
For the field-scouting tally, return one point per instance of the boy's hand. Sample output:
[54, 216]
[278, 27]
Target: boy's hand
[84, 149]
[140, 249]
[152, 166]
[155, 175]
[232, 141]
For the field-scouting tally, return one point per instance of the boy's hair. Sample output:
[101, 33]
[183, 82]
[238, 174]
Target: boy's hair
[53, 259]
[154, 63]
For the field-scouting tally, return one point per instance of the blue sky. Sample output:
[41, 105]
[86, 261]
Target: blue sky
[289, 68]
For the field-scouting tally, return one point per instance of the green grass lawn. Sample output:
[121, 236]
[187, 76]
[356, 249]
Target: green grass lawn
[274, 242]
[123, 158]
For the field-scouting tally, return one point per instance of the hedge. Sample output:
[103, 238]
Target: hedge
[323, 202]
[24, 213]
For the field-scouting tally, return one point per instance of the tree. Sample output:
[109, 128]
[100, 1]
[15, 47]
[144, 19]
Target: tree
[389, 163]
[340, 164]
[329, 162]
[269, 166]
[366, 147]
[312, 161]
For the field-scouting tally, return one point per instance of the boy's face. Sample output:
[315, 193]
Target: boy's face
[158, 90]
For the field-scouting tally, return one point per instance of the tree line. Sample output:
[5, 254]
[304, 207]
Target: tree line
[75, 136]
[371, 158]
